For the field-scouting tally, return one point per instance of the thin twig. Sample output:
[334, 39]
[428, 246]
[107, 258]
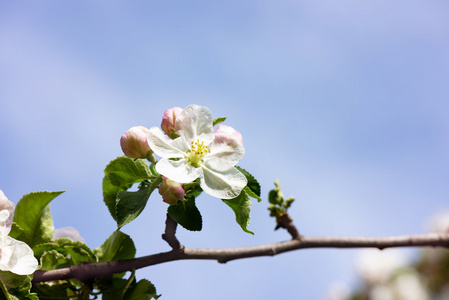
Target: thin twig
[169, 234]
[88, 271]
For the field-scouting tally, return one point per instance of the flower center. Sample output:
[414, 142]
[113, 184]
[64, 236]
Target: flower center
[197, 151]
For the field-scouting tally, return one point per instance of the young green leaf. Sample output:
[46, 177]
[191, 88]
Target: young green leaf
[217, 121]
[186, 214]
[32, 215]
[118, 246]
[241, 205]
[131, 204]
[119, 175]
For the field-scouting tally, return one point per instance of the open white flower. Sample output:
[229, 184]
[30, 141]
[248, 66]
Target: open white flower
[201, 152]
[15, 256]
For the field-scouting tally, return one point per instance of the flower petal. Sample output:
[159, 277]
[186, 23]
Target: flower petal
[195, 122]
[220, 179]
[17, 257]
[8, 205]
[178, 170]
[227, 145]
[164, 146]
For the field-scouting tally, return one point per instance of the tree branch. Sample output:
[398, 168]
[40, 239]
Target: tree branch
[283, 220]
[169, 234]
[86, 272]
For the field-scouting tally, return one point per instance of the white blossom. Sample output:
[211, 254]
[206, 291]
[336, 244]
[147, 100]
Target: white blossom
[15, 256]
[198, 151]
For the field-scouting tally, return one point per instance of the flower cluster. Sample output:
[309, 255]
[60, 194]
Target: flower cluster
[199, 151]
[191, 149]
[15, 256]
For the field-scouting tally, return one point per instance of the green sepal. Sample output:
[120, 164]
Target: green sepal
[217, 121]
[241, 205]
[186, 214]
[119, 175]
[32, 216]
[142, 290]
[153, 170]
[116, 247]
[253, 184]
[131, 204]
[192, 189]
[15, 287]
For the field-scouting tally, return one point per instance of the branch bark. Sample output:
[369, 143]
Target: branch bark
[86, 272]
[170, 234]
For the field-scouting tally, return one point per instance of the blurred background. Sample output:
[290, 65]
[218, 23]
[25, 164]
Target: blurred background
[346, 102]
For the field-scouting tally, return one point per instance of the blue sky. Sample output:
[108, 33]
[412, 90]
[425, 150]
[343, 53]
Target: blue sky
[345, 102]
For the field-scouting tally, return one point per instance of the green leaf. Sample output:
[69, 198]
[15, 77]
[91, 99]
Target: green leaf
[273, 197]
[118, 246]
[217, 121]
[251, 193]
[52, 260]
[119, 175]
[241, 205]
[186, 214]
[253, 184]
[114, 288]
[55, 290]
[32, 215]
[143, 290]
[17, 232]
[76, 252]
[131, 204]
[15, 286]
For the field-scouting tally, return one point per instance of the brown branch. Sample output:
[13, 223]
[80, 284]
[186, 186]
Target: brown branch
[86, 272]
[283, 220]
[169, 234]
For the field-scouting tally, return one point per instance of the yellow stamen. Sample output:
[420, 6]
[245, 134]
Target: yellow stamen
[197, 151]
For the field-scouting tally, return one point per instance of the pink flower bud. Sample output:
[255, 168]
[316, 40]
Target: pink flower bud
[168, 124]
[226, 133]
[171, 191]
[134, 142]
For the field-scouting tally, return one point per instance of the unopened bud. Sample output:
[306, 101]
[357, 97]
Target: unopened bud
[134, 143]
[168, 124]
[171, 191]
